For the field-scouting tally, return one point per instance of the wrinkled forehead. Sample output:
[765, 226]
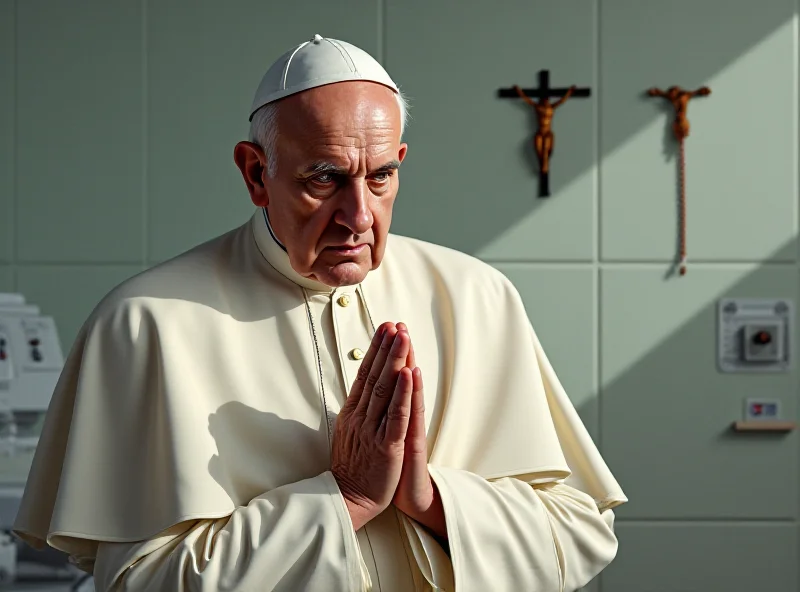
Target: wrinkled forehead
[340, 152]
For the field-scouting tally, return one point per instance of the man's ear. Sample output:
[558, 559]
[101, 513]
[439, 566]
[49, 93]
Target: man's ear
[252, 162]
[401, 154]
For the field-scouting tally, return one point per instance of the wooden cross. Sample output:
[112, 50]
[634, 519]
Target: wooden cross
[544, 140]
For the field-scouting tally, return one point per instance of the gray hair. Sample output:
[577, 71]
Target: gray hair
[264, 129]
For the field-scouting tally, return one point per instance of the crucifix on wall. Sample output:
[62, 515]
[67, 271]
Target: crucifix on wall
[544, 140]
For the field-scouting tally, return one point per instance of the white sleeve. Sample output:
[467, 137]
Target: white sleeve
[508, 535]
[295, 537]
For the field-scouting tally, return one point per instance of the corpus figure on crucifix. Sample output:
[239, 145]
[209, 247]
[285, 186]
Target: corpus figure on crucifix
[680, 100]
[544, 141]
[539, 99]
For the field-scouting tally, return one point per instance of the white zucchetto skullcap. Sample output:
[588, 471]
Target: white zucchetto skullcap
[316, 63]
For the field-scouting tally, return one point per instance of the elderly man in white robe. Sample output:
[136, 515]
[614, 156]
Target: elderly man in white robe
[309, 402]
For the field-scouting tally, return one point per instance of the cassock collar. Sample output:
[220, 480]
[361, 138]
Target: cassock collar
[275, 253]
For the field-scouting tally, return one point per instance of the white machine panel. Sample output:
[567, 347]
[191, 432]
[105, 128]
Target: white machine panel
[43, 353]
[6, 363]
[30, 355]
[25, 309]
[755, 335]
[32, 360]
[7, 299]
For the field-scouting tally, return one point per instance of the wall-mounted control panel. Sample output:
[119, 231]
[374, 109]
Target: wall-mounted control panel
[755, 334]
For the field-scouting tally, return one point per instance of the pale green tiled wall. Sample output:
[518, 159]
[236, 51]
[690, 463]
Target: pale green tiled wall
[741, 155]
[6, 279]
[661, 392]
[7, 116]
[78, 132]
[117, 123]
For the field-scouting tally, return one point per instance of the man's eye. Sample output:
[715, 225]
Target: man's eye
[324, 179]
[381, 177]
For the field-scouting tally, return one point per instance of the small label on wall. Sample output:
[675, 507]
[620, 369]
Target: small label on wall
[762, 410]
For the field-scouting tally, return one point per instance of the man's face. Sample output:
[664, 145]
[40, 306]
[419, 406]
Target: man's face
[330, 202]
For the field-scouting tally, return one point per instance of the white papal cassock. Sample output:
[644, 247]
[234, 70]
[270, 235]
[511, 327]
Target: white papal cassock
[187, 445]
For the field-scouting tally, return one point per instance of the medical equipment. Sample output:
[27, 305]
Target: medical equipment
[30, 364]
[31, 360]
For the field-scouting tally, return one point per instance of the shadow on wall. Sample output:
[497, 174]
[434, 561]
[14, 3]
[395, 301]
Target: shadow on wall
[665, 414]
[474, 195]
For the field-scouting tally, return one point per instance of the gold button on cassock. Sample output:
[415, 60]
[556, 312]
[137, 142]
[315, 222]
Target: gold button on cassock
[344, 300]
[356, 354]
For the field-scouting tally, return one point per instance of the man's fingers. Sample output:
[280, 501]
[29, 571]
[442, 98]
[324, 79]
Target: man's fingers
[372, 365]
[396, 420]
[384, 387]
[366, 363]
[418, 400]
[410, 362]
[416, 442]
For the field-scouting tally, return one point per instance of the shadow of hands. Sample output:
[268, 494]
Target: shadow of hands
[258, 451]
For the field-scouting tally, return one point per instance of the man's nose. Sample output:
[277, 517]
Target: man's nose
[354, 211]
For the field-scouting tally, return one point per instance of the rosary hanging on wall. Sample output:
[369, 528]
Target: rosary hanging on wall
[680, 101]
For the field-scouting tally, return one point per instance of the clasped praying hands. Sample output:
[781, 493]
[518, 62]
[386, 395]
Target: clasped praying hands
[380, 453]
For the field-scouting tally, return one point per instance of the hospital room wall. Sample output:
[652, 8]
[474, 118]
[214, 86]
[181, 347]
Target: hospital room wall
[117, 123]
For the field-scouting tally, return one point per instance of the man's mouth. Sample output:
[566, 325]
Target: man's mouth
[346, 249]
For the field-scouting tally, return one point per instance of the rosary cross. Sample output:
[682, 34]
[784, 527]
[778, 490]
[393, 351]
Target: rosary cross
[680, 127]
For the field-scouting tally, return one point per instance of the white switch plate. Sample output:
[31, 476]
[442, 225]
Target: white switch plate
[757, 409]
